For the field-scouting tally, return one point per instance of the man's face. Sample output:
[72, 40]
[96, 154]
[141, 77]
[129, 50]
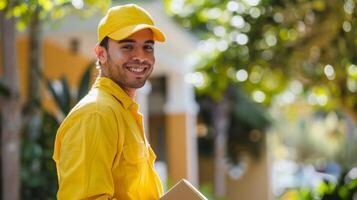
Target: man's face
[130, 61]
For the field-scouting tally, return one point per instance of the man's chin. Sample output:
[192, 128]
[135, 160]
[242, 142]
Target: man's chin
[138, 85]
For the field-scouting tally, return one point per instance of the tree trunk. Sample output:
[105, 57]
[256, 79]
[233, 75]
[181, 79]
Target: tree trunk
[221, 124]
[35, 55]
[32, 115]
[10, 113]
[351, 112]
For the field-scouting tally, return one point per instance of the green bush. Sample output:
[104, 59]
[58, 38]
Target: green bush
[345, 189]
[38, 170]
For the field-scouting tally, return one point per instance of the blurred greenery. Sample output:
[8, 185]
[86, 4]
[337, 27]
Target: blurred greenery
[61, 91]
[314, 137]
[274, 51]
[26, 10]
[38, 170]
[4, 91]
[248, 122]
[207, 190]
[38, 177]
[258, 48]
[345, 189]
[263, 45]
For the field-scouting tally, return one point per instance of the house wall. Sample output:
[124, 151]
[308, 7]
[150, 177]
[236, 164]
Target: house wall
[57, 62]
[254, 184]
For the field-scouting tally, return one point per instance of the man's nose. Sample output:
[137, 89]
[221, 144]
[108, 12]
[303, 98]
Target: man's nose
[140, 56]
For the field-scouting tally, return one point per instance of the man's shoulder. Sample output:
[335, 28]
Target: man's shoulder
[96, 102]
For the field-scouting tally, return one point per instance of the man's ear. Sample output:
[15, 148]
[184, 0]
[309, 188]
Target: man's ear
[101, 54]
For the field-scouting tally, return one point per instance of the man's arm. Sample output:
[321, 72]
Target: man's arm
[86, 156]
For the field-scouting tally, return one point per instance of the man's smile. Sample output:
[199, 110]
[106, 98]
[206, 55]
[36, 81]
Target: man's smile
[137, 69]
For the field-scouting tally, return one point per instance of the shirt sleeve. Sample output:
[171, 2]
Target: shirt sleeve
[87, 152]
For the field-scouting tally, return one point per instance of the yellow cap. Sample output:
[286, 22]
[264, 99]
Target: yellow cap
[122, 21]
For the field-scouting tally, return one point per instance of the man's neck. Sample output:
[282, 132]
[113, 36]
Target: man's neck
[131, 92]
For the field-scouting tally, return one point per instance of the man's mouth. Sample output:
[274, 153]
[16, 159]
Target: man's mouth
[137, 70]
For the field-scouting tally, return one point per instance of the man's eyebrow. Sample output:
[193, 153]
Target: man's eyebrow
[133, 41]
[126, 41]
[149, 42]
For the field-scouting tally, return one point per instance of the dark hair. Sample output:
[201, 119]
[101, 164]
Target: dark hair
[104, 42]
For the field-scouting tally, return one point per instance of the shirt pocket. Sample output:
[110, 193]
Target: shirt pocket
[136, 153]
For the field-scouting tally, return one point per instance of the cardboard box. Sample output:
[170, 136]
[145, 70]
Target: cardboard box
[183, 190]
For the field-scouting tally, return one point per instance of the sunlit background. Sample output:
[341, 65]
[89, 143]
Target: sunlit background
[249, 99]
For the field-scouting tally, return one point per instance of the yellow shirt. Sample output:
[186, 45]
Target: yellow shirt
[101, 151]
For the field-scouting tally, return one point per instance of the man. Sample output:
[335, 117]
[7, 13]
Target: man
[100, 150]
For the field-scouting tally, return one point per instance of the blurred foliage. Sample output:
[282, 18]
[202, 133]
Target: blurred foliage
[38, 170]
[25, 10]
[313, 137]
[207, 190]
[4, 91]
[248, 122]
[61, 91]
[345, 189]
[38, 176]
[265, 44]
[225, 59]
[246, 133]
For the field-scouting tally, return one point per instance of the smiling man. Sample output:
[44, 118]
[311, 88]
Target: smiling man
[100, 150]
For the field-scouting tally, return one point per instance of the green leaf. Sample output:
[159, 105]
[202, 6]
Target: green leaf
[21, 25]
[85, 82]
[57, 14]
[19, 10]
[249, 112]
[47, 5]
[3, 4]
[4, 90]
[66, 95]
[60, 93]
[59, 2]
[343, 192]
[55, 93]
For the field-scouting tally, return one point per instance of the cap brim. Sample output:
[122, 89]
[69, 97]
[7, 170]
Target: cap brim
[127, 31]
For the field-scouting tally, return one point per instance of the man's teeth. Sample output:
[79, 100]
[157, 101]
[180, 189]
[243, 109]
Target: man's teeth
[136, 69]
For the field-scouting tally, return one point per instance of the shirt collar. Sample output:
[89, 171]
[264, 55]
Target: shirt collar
[114, 89]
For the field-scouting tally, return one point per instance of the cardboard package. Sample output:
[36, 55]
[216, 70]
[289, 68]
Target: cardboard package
[183, 190]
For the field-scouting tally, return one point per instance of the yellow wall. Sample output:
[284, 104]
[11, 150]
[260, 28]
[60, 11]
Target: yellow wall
[62, 62]
[206, 169]
[57, 62]
[254, 183]
[176, 142]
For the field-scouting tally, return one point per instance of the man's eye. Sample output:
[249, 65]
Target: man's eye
[127, 47]
[149, 48]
